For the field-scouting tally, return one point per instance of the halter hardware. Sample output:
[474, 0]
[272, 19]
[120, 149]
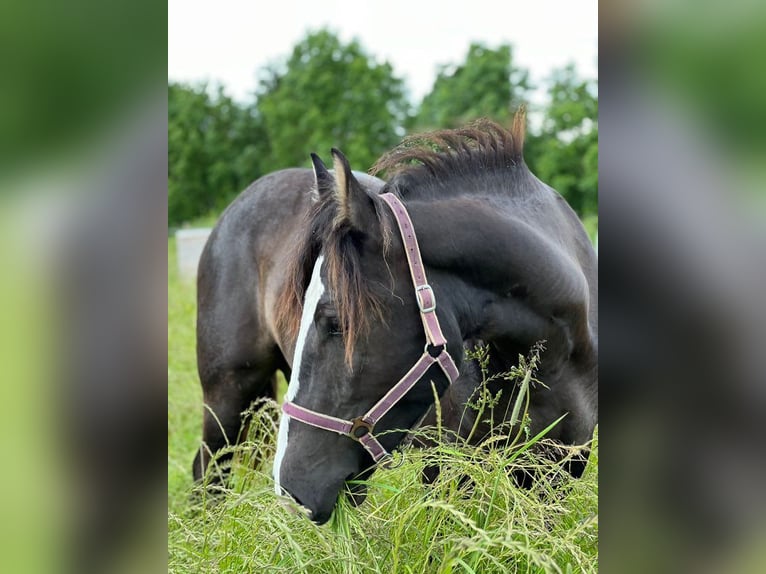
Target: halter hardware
[422, 305]
[435, 352]
[359, 428]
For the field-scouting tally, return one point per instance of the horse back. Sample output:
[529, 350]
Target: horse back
[241, 268]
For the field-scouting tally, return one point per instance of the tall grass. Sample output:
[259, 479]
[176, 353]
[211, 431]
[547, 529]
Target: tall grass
[473, 518]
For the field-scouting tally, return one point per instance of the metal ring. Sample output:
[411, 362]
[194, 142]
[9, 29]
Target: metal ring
[429, 346]
[357, 424]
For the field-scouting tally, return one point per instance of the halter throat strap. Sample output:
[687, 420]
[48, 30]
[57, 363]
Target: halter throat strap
[361, 428]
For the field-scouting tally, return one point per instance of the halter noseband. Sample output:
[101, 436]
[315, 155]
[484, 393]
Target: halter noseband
[360, 429]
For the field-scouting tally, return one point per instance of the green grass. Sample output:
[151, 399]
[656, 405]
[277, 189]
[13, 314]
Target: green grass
[403, 527]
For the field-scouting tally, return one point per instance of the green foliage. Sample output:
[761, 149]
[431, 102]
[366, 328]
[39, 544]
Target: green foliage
[487, 84]
[213, 151]
[565, 153]
[333, 94]
[704, 63]
[329, 94]
[69, 71]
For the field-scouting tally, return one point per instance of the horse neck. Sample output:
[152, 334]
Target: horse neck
[503, 273]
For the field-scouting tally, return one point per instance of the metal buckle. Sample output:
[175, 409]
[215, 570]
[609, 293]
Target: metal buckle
[420, 301]
[357, 425]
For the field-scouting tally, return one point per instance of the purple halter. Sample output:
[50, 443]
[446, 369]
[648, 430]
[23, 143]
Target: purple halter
[360, 429]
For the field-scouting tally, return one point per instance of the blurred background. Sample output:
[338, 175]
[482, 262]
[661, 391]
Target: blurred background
[93, 174]
[83, 215]
[683, 269]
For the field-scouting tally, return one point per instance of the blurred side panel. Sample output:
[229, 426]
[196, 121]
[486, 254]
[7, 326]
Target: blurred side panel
[683, 263]
[83, 211]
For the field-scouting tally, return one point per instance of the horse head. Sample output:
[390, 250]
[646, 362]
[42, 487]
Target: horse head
[368, 343]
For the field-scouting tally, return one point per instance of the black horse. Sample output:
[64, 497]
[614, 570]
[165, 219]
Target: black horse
[242, 273]
[311, 273]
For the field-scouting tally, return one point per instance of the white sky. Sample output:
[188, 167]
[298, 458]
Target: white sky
[228, 40]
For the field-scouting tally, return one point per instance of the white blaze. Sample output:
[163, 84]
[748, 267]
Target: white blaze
[310, 302]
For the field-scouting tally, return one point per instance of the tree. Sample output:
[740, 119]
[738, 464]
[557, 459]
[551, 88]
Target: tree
[565, 153]
[214, 151]
[487, 84]
[329, 94]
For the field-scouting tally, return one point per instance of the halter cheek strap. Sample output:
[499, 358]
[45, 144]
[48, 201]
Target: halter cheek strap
[361, 428]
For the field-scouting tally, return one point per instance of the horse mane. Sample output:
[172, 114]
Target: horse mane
[420, 161]
[433, 158]
[355, 302]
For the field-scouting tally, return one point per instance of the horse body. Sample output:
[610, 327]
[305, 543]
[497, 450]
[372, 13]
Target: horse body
[507, 259]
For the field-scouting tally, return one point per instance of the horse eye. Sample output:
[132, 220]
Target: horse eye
[329, 324]
[333, 326]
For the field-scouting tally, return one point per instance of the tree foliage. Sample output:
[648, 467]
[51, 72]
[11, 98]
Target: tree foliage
[330, 94]
[213, 151]
[333, 94]
[565, 152]
[486, 84]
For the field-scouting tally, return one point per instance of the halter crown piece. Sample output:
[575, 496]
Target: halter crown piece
[360, 429]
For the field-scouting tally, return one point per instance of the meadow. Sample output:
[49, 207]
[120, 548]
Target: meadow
[473, 519]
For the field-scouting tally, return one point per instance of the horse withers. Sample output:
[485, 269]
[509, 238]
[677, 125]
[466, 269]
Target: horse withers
[370, 292]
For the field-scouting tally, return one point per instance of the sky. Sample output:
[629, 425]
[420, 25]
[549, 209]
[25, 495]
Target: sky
[228, 40]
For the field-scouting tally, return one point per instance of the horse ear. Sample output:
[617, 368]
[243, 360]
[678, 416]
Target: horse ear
[323, 180]
[355, 207]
